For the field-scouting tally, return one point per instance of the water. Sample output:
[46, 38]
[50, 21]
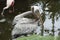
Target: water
[5, 30]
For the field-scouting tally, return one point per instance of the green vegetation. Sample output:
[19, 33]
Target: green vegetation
[38, 37]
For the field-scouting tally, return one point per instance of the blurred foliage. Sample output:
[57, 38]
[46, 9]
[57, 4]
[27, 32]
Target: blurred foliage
[37, 37]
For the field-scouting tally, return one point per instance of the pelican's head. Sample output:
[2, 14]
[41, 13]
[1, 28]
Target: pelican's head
[38, 6]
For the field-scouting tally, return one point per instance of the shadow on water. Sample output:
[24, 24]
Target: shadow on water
[5, 31]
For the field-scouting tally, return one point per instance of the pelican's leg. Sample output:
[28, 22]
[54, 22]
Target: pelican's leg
[4, 9]
[3, 18]
[2, 13]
